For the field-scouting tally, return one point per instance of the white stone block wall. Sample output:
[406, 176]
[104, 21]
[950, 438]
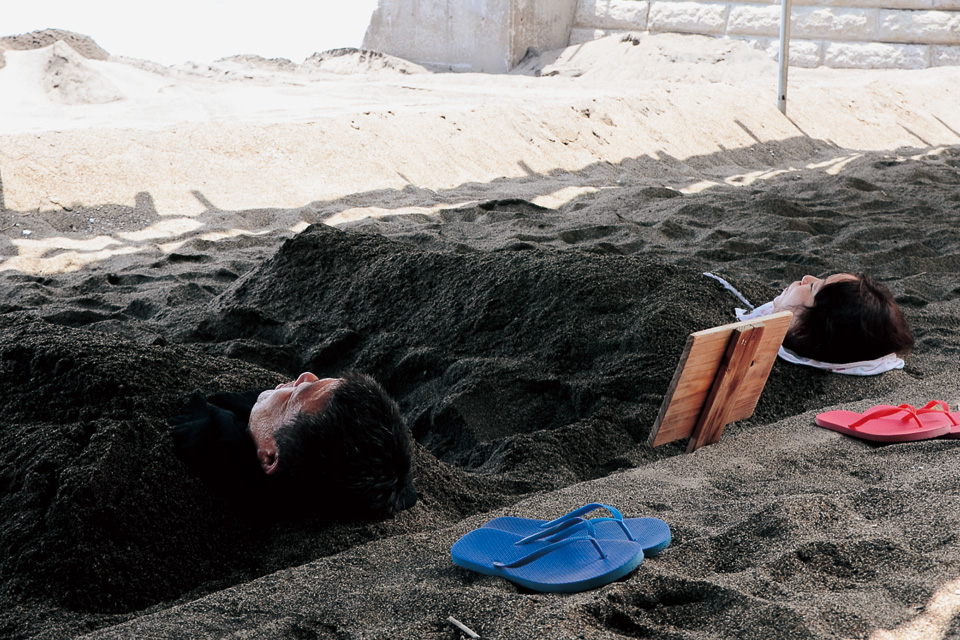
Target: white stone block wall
[859, 34]
[605, 15]
[934, 27]
[753, 20]
[677, 16]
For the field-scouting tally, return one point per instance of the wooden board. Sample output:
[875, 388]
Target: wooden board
[713, 374]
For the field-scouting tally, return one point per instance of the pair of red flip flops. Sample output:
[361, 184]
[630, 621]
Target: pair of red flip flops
[886, 423]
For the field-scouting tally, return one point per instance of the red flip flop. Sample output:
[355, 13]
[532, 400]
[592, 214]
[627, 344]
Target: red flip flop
[955, 419]
[886, 423]
[952, 416]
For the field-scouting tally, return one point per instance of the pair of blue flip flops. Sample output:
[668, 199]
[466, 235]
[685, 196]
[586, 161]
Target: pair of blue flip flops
[569, 554]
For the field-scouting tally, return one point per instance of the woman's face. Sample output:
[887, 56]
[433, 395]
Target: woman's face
[279, 406]
[801, 293]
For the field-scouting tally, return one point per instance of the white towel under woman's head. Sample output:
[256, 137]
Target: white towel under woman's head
[862, 368]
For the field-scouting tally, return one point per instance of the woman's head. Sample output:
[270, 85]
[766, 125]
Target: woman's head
[843, 318]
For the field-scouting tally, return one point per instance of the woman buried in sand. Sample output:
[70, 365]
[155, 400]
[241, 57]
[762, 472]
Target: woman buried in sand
[844, 323]
[842, 318]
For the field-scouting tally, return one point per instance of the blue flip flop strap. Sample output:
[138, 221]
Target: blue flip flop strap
[620, 522]
[582, 511]
[561, 531]
[567, 528]
[546, 549]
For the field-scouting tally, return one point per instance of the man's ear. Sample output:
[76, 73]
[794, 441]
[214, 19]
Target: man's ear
[268, 458]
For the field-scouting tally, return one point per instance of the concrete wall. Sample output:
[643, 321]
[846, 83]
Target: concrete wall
[860, 34]
[469, 35]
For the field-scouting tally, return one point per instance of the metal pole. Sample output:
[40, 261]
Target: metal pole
[784, 55]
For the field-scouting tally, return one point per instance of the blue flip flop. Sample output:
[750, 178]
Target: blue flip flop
[564, 559]
[652, 534]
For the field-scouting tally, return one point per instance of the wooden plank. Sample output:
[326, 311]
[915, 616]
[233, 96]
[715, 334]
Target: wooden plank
[697, 369]
[736, 362]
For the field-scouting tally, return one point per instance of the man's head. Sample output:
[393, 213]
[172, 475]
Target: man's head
[337, 441]
[280, 406]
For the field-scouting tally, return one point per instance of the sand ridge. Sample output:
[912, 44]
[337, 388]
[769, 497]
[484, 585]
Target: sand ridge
[205, 143]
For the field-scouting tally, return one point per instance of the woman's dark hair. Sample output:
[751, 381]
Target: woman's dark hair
[850, 320]
[354, 457]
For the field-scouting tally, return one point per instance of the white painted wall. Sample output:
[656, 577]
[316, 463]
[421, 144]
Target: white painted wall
[469, 35]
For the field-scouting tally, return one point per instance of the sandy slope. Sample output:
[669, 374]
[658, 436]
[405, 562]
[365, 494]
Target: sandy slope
[182, 152]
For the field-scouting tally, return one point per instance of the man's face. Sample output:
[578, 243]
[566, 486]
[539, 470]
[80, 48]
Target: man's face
[278, 407]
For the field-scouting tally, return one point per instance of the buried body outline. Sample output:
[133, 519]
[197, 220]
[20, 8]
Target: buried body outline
[294, 428]
[338, 443]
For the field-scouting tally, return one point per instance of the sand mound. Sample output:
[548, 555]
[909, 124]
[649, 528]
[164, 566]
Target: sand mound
[47, 77]
[84, 45]
[669, 57]
[352, 61]
[336, 62]
[258, 62]
[68, 79]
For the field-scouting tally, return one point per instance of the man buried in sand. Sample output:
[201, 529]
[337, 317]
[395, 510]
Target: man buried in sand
[336, 445]
[843, 318]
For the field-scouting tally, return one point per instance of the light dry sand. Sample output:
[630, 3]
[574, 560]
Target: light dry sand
[188, 152]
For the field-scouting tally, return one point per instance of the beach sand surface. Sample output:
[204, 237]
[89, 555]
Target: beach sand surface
[518, 259]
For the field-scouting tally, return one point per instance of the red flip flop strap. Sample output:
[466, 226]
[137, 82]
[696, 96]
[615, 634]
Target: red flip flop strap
[938, 406]
[910, 410]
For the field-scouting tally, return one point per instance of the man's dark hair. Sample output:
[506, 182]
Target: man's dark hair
[354, 457]
[850, 321]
